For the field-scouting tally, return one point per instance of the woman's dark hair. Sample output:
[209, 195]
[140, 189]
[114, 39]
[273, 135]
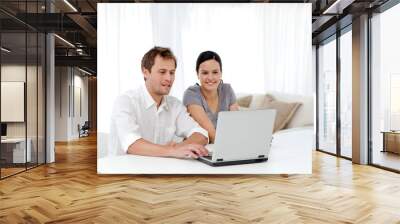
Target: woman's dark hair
[208, 55]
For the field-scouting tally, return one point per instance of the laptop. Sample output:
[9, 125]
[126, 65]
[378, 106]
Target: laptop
[241, 137]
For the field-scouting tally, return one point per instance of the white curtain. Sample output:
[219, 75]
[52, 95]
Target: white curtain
[264, 47]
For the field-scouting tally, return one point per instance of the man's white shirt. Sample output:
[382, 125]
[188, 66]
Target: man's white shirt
[135, 115]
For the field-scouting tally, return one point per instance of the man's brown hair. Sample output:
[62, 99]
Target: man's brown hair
[149, 58]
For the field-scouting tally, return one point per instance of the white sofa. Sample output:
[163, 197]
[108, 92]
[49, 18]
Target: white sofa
[303, 116]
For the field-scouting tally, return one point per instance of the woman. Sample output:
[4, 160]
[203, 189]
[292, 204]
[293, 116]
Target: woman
[204, 101]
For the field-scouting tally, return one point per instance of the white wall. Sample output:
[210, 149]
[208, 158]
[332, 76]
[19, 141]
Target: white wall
[80, 84]
[70, 83]
[61, 103]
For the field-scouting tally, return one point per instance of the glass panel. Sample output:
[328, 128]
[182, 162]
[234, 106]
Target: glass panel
[346, 94]
[32, 84]
[22, 89]
[327, 96]
[386, 89]
[8, 24]
[41, 98]
[13, 89]
[394, 102]
[31, 101]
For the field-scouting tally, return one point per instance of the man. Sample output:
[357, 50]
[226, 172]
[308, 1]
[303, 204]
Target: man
[146, 120]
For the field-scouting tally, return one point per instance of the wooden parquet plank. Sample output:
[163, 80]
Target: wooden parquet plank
[70, 191]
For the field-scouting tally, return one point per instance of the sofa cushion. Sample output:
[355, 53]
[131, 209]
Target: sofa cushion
[244, 101]
[257, 101]
[284, 110]
[304, 115]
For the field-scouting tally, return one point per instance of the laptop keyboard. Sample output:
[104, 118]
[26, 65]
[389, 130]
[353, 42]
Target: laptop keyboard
[209, 156]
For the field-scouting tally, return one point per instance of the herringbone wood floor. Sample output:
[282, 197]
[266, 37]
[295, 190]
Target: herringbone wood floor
[70, 191]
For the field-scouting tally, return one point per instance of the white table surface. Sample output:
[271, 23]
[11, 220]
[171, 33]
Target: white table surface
[19, 149]
[291, 153]
[13, 140]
